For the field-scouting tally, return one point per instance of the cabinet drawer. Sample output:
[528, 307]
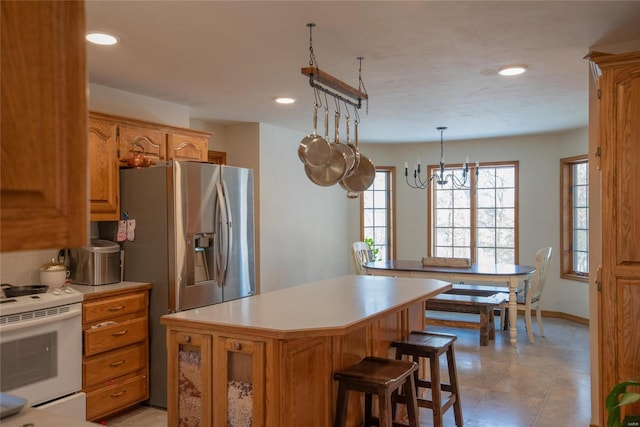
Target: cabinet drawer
[113, 307]
[113, 336]
[117, 396]
[113, 364]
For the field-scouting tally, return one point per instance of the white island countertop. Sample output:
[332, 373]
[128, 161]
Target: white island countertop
[318, 308]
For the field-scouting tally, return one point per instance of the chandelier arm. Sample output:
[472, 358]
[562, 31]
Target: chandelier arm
[427, 181]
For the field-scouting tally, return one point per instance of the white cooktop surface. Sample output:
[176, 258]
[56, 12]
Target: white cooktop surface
[51, 298]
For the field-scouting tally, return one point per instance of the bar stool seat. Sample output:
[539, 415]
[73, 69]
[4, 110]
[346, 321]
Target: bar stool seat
[431, 346]
[383, 378]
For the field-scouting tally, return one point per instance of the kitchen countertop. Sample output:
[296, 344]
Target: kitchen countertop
[101, 291]
[320, 308]
[33, 417]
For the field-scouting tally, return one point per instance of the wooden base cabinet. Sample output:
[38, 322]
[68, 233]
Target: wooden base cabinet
[236, 384]
[273, 355]
[223, 379]
[115, 368]
[189, 379]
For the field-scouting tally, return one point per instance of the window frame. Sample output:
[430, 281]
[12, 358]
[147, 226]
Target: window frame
[431, 169]
[391, 215]
[567, 270]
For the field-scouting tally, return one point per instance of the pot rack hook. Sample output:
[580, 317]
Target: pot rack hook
[347, 115]
[318, 99]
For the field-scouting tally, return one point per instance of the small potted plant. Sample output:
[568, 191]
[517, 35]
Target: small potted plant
[373, 251]
[619, 397]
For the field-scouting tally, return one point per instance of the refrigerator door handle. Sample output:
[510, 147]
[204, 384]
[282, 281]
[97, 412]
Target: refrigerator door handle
[229, 231]
[223, 234]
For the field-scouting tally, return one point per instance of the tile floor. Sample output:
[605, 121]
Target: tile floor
[545, 384]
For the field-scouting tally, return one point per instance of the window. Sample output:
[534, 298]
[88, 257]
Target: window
[478, 223]
[377, 213]
[574, 224]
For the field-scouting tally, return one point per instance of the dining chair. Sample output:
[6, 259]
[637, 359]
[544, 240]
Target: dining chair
[531, 294]
[360, 255]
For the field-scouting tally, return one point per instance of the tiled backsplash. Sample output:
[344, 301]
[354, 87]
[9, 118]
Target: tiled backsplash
[23, 268]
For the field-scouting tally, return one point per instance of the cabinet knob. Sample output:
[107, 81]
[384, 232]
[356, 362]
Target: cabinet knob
[237, 346]
[187, 338]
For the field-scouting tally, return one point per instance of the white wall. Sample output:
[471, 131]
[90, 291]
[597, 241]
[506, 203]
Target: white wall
[304, 226]
[539, 199]
[121, 103]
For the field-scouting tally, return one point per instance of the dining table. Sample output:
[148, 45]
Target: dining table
[510, 275]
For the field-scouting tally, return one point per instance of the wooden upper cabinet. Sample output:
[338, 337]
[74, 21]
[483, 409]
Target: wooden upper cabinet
[188, 147]
[43, 170]
[104, 172]
[619, 299]
[137, 139]
[114, 140]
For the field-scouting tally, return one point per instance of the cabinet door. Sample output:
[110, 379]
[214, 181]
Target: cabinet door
[43, 199]
[189, 379]
[104, 174]
[187, 147]
[239, 381]
[619, 318]
[134, 140]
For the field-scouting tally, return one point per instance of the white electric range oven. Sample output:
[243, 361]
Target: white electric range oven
[41, 349]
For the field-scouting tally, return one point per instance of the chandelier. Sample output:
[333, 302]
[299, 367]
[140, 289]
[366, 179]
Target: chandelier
[439, 177]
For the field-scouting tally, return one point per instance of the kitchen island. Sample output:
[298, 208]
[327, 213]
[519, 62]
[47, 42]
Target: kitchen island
[269, 358]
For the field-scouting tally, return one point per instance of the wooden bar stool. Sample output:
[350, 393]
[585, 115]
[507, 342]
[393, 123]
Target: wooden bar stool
[384, 378]
[430, 345]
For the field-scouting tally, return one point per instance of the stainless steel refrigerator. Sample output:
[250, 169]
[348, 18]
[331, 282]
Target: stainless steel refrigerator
[193, 241]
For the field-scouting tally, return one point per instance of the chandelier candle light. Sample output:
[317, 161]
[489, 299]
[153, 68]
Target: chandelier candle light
[440, 178]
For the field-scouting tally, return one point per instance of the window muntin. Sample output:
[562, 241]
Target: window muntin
[478, 223]
[377, 216]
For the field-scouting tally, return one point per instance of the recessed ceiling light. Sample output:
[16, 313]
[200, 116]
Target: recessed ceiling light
[284, 100]
[102, 38]
[512, 70]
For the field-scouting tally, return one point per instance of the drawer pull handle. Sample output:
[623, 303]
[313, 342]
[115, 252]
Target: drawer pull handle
[119, 393]
[118, 363]
[237, 345]
[119, 334]
[118, 308]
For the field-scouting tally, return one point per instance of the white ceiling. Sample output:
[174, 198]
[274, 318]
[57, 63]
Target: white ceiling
[427, 63]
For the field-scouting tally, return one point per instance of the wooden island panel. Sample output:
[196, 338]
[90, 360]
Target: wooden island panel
[284, 346]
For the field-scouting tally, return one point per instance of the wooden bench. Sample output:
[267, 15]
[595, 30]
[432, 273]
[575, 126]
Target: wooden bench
[475, 299]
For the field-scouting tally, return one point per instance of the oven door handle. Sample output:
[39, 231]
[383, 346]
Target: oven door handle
[36, 322]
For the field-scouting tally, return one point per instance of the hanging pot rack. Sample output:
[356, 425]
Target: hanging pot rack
[324, 82]
[346, 165]
[330, 85]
